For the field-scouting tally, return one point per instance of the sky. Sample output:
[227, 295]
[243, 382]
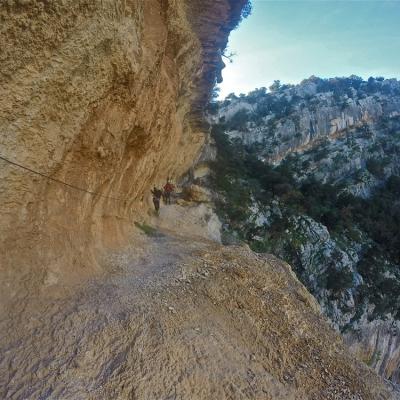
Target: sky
[292, 40]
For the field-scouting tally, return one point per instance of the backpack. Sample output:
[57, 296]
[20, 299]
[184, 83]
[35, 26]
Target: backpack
[169, 187]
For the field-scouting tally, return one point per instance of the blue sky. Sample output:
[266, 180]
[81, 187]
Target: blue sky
[292, 40]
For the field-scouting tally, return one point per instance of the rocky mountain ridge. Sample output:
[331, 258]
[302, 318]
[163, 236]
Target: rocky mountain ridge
[299, 115]
[318, 116]
[310, 173]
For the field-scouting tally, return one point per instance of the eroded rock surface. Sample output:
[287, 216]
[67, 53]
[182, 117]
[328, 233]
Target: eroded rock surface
[181, 318]
[104, 95]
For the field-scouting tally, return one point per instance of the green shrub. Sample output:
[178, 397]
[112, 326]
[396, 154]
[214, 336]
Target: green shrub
[147, 229]
[339, 280]
[376, 167]
[239, 120]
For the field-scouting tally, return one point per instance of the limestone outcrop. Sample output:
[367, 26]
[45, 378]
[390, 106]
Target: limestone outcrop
[106, 96]
[298, 118]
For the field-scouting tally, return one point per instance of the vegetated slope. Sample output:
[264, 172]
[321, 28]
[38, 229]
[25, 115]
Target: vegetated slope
[180, 318]
[311, 174]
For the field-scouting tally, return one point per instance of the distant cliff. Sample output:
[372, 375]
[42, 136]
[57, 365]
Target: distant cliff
[311, 174]
[344, 122]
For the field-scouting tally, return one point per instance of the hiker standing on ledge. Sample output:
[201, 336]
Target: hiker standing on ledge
[157, 193]
[168, 189]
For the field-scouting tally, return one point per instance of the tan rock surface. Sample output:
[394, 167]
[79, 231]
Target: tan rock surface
[104, 95]
[180, 318]
[197, 194]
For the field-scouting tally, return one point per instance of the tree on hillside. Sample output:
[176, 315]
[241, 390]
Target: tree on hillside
[275, 86]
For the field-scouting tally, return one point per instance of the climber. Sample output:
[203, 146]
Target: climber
[157, 193]
[168, 189]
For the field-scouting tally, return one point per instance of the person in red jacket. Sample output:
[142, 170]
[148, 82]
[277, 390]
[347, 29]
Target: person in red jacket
[168, 189]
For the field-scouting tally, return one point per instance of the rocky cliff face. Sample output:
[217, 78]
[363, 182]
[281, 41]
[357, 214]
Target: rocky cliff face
[310, 173]
[105, 96]
[103, 99]
[337, 126]
[296, 118]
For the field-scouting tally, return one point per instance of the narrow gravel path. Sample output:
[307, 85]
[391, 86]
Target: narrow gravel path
[178, 318]
[42, 341]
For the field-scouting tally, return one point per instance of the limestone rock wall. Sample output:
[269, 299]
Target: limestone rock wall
[104, 95]
[298, 118]
[377, 343]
